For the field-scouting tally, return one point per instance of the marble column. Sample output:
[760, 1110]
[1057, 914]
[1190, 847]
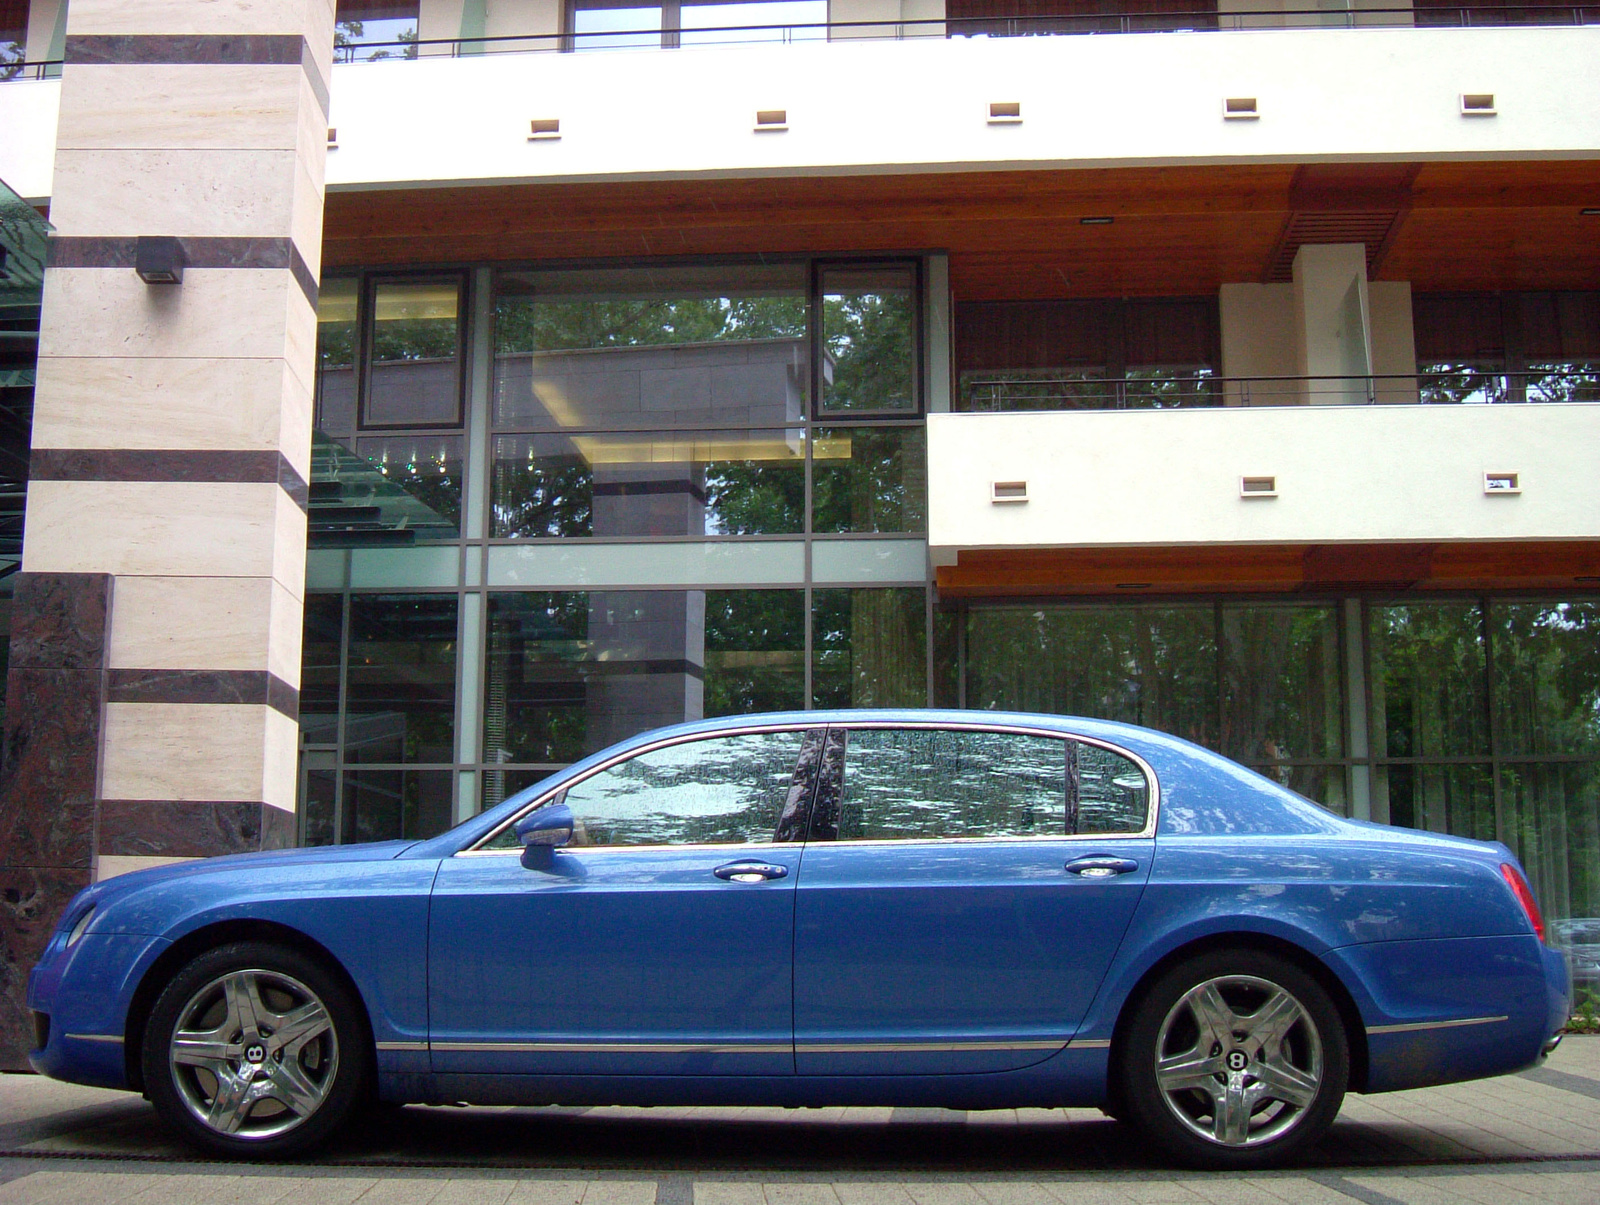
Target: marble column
[171, 450]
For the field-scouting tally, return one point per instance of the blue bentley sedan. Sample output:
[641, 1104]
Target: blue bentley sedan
[961, 909]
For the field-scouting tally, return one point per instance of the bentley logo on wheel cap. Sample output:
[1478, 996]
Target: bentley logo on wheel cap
[1238, 1060]
[256, 1053]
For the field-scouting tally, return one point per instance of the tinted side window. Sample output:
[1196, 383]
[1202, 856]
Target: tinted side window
[919, 783]
[1112, 794]
[727, 790]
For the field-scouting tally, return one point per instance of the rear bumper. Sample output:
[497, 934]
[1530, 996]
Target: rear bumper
[1456, 1009]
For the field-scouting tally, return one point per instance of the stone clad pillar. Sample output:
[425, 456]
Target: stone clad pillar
[172, 447]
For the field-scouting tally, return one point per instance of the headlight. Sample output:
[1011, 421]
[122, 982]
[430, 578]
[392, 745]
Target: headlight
[80, 925]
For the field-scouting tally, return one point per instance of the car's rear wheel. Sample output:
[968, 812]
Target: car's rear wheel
[1235, 1059]
[255, 1049]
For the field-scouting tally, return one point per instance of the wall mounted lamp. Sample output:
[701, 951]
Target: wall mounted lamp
[772, 121]
[1477, 104]
[158, 259]
[1240, 108]
[544, 129]
[1005, 113]
[1258, 487]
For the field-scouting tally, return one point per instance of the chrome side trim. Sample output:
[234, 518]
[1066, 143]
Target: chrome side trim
[407, 1046]
[920, 1047]
[1089, 1044]
[1416, 1026]
[95, 1037]
[610, 1048]
[724, 1048]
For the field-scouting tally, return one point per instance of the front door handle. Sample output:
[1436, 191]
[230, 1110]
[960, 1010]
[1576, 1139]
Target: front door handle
[750, 872]
[1097, 866]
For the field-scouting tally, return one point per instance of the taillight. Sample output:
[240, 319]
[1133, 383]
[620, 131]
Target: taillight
[1519, 888]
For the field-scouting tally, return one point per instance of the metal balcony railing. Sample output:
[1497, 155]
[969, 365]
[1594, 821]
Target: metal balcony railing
[1062, 391]
[1472, 16]
[1465, 16]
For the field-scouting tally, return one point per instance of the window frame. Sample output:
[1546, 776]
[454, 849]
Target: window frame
[820, 415]
[558, 793]
[828, 780]
[367, 319]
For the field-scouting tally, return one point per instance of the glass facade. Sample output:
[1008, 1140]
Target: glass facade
[557, 508]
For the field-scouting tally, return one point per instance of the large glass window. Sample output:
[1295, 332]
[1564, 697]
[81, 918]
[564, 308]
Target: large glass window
[387, 470]
[645, 402]
[1260, 682]
[869, 339]
[368, 30]
[378, 685]
[1088, 354]
[14, 36]
[869, 648]
[571, 672]
[621, 24]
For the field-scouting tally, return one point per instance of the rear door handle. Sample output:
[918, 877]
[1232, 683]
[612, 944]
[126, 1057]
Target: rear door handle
[750, 872]
[1097, 866]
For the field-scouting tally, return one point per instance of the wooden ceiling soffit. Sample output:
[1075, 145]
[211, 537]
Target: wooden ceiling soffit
[1343, 203]
[1271, 568]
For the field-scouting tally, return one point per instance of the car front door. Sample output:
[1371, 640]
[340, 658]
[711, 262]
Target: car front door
[962, 894]
[659, 941]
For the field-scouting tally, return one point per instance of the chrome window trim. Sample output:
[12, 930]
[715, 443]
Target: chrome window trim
[1148, 831]
[1154, 783]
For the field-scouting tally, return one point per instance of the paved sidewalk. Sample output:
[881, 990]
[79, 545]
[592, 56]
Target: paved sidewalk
[1520, 1139]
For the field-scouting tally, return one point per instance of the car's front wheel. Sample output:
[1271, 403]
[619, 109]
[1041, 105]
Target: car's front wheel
[1235, 1059]
[254, 1048]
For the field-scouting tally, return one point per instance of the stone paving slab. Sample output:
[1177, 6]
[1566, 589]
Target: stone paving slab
[1531, 1138]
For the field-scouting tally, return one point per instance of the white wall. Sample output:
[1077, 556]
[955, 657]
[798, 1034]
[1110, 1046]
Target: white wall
[28, 136]
[1394, 341]
[1258, 336]
[922, 104]
[1344, 474]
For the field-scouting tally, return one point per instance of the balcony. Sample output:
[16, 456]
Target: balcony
[913, 104]
[1251, 497]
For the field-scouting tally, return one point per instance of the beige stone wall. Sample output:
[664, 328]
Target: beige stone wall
[173, 421]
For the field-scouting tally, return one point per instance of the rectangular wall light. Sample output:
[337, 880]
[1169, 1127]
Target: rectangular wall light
[1005, 113]
[1240, 108]
[544, 129]
[1009, 491]
[1477, 104]
[772, 121]
[1502, 483]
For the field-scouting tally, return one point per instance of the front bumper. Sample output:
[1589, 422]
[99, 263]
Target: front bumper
[81, 996]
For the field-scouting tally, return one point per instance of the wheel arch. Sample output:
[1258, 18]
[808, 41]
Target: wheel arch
[1327, 979]
[208, 937]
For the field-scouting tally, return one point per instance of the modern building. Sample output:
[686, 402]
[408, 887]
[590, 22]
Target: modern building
[414, 416]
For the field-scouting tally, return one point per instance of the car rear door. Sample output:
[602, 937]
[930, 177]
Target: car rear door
[962, 894]
[658, 942]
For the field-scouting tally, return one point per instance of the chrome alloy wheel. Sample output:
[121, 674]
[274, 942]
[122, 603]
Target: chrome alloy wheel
[1238, 1060]
[254, 1054]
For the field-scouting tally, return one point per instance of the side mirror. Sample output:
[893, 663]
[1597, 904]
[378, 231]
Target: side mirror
[548, 827]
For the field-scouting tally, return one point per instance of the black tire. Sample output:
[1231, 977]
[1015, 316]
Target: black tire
[1257, 1061]
[277, 1052]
